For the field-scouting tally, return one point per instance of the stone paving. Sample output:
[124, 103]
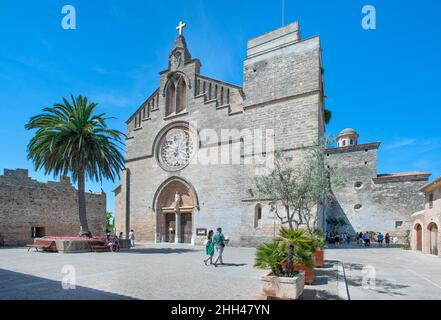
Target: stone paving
[146, 272]
[389, 273]
[177, 272]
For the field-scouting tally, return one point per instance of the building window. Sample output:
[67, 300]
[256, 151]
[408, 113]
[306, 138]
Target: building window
[176, 96]
[257, 215]
[170, 99]
[344, 143]
[358, 185]
[398, 224]
[431, 201]
[38, 232]
[352, 142]
[181, 96]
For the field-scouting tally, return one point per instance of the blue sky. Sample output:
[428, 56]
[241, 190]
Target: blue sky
[384, 83]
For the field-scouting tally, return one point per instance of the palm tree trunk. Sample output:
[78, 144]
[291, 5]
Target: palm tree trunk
[84, 227]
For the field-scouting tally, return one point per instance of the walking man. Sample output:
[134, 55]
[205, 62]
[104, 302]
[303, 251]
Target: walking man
[380, 239]
[219, 244]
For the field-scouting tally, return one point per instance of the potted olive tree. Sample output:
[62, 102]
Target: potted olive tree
[281, 256]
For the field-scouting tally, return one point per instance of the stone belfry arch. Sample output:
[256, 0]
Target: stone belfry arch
[176, 205]
[177, 83]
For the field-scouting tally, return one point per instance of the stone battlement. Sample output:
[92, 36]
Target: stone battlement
[21, 178]
[32, 209]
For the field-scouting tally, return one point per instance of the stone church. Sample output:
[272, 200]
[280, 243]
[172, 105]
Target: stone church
[195, 145]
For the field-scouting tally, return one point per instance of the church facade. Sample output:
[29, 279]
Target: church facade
[195, 145]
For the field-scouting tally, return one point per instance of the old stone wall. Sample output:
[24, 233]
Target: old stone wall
[372, 202]
[27, 203]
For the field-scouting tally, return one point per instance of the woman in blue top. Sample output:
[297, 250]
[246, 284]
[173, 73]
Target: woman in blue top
[209, 248]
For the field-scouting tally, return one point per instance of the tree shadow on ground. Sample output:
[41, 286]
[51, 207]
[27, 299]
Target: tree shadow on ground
[354, 246]
[20, 286]
[321, 277]
[381, 286]
[159, 250]
[313, 294]
[225, 265]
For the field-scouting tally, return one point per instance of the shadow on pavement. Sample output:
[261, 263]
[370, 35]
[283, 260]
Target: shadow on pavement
[382, 286]
[312, 294]
[361, 247]
[159, 250]
[231, 265]
[20, 286]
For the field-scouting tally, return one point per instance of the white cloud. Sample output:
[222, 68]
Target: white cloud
[399, 144]
[109, 99]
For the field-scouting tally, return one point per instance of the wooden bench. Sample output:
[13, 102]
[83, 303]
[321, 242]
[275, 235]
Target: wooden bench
[42, 245]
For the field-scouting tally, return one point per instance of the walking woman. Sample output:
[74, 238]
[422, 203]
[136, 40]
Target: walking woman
[209, 247]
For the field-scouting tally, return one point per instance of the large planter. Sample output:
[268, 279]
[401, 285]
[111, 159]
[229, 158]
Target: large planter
[309, 273]
[283, 288]
[319, 258]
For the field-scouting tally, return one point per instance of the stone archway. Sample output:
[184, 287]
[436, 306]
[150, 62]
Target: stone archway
[418, 237]
[433, 238]
[175, 206]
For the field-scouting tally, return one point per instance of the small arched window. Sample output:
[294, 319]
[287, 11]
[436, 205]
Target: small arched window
[181, 96]
[257, 215]
[176, 97]
[170, 99]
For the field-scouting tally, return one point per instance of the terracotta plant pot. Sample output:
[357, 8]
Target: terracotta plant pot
[319, 258]
[283, 288]
[309, 273]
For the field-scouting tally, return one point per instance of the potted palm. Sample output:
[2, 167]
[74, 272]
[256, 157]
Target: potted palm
[281, 256]
[281, 282]
[300, 249]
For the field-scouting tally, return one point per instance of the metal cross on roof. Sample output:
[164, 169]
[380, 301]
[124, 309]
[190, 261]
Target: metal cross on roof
[181, 27]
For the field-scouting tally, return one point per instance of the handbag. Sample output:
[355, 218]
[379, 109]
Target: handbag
[206, 242]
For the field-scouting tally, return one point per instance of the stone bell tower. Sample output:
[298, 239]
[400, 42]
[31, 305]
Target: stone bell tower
[179, 55]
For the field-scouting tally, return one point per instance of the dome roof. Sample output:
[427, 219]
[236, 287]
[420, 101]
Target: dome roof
[348, 132]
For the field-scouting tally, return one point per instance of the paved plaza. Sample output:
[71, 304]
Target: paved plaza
[177, 272]
[398, 274]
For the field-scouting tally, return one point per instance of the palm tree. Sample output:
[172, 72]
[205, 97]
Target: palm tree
[297, 241]
[70, 138]
[270, 256]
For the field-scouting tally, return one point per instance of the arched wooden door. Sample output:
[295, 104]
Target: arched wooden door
[433, 239]
[175, 213]
[419, 237]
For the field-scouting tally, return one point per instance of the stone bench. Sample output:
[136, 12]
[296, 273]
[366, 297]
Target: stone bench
[39, 244]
